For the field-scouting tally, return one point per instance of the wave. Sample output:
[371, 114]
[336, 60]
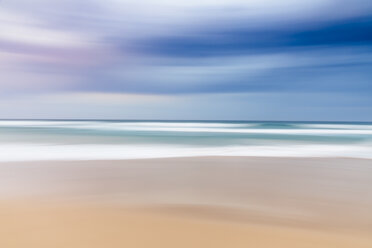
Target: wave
[312, 129]
[226, 130]
[6, 123]
[337, 126]
[32, 152]
[184, 124]
[116, 125]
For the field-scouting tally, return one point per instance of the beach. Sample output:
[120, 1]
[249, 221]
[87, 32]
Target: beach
[187, 202]
[186, 124]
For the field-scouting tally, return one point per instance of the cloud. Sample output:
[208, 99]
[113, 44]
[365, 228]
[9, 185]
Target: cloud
[315, 70]
[227, 41]
[182, 58]
[227, 106]
[106, 98]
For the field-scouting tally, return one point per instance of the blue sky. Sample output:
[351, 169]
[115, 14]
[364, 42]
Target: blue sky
[228, 59]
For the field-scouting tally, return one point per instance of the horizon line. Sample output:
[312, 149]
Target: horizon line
[175, 120]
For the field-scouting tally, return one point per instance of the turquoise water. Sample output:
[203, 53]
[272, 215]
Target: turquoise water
[98, 139]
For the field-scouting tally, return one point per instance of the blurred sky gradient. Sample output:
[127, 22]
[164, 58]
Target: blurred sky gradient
[227, 59]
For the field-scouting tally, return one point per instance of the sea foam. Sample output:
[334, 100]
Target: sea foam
[99, 140]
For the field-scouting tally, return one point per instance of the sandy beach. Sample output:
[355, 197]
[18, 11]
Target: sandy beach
[186, 124]
[187, 202]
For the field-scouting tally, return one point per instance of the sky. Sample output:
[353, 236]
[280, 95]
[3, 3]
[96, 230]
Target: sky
[308, 60]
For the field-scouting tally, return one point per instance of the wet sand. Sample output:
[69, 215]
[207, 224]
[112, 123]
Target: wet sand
[187, 202]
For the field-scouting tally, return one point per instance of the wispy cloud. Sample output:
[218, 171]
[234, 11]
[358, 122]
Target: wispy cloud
[119, 51]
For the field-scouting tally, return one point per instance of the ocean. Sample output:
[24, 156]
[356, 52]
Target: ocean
[33, 140]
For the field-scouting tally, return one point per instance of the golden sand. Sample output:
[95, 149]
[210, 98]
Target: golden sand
[187, 202]
[35, 226]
